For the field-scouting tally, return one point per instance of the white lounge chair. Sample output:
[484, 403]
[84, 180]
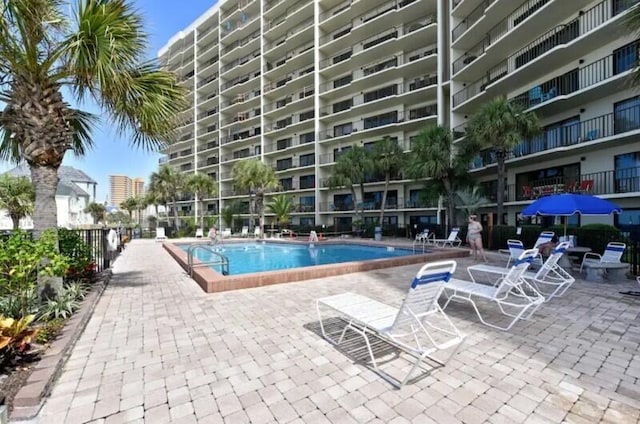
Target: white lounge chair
[515, 297]
[612, 254]
[226, 233]
[544, 237]
[256, 232]
[245, 231]
[453, 240]
[423, 239]
[411, 327]
[514, 250]
[160, 234]
[199, 233]
[550, 274]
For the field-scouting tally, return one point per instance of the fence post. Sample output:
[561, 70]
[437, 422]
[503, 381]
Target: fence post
[105, 257]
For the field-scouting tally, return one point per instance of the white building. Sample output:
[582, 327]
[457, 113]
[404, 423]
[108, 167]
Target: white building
[75, 191]
[295, 83]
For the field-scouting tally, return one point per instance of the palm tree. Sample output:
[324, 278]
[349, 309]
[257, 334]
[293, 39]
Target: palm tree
[229, 212]
[96, 210]
[202, 186]
[498, 126]
[141, 204]
[470, 199]
[130, 205]
[388, 159]
[351, 170]
[433, 157]
[86, 49]
[281, 206]
[154, 196]
[256, 177]
[169, 183]
[16, 197]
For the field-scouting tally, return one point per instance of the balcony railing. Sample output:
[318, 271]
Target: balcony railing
[562, 34]
[576, 80]
[611, 124]
[470, 19]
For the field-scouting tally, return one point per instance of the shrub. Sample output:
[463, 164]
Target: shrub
[16, 305]
[67, 302]
[82, 267]
[49, 330]
[21, 261]
[15, 337]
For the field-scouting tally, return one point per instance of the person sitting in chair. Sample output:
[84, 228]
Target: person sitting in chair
[547, 247]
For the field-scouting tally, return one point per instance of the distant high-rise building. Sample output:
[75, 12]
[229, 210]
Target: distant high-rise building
[122, 187]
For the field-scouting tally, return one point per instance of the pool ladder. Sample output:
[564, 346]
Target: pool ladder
[219, 258]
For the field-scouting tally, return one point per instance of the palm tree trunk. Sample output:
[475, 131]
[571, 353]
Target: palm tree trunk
[16, 221]
[260, 210]
[202, 213]
[384, 197]
[45, 182]
[45, 216]
[175, 212]
[500, 185]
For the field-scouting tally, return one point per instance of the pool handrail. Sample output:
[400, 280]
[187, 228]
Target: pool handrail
[221, 260]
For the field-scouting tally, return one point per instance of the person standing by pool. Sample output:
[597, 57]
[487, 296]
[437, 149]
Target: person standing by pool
[474, 237]
[213, 234]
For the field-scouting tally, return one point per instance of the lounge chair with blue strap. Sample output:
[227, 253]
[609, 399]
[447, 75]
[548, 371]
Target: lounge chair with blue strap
[515, 297]
[419, 327]
[612, 254]
[550, 280]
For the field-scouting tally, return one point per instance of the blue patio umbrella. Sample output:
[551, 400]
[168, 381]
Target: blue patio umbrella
[569, 204]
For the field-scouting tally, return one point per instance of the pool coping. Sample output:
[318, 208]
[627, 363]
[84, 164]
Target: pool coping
[212, 282]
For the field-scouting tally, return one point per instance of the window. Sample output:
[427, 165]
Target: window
[283, 164]
[391, 90]
[380, 120]
[283, 143]
[343, 129]
[307, 181]
[307, 204]
[627, 177]
[307, 137]
[286, 183]
[342, 202]
[626, 115]
[343, 105]
[339, 82]
[307, 160]
[563, 133]
[625, 58]
[307, 222]
[304, 116]
[339, 152]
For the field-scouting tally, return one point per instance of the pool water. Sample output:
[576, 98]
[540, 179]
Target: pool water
[246, 258]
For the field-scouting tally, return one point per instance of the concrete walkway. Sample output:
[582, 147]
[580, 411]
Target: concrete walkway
[159, 350]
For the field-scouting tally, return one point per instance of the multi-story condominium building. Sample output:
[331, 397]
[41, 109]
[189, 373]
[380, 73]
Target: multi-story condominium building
[122, 187]
[297, 83]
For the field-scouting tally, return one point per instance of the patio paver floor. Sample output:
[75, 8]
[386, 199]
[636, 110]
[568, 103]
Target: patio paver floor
[157, 350]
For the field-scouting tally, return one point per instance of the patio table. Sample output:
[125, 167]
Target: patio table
[565, 262]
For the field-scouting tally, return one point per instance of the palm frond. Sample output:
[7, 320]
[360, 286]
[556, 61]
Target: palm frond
[83, 124]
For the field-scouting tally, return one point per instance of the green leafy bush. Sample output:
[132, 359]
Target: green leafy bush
[49, 330]
[21, 262]
[82, 267]
[62, 307]
[24, 302]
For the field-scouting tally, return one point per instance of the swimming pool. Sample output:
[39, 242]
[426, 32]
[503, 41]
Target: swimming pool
[212, 281]
[247, 258]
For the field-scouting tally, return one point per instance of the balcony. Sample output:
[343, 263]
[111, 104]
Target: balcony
[596, 73]
[558, 37]
[610, 125]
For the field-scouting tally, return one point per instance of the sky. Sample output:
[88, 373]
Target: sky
[112, 154]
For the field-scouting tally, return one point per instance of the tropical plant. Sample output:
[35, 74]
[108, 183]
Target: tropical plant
[281, 206]
[351, 170]
[141, 205]
[17, 197]
[21, 264]
[152, 220]
[434, 158]
[388, 159]
[257, 178]
[470, 199]
[168, 184]
[498, 126]
[202, 186]
[154, 197]
[130, 205]
[82, 266]
[118, 218]
[229, 212]
[17, 305]
[15, 337]
[84, 49]
[96, 210]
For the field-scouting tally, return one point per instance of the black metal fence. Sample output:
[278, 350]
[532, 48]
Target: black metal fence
[97, 240]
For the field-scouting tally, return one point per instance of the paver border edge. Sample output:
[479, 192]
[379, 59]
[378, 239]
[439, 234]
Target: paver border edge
[30, 398]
